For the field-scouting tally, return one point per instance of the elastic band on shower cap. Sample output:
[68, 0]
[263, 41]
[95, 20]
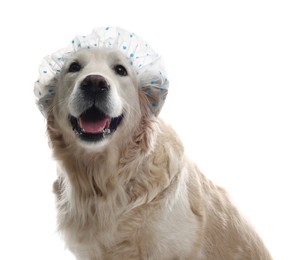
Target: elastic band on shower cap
[146, 63]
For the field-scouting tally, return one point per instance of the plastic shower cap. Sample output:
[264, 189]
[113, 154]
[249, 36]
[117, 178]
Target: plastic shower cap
[146, 63]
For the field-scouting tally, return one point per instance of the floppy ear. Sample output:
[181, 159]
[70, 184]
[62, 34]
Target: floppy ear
[145, 104]
[145, 135]
[154, 86]
[45, 87]
[45, 94]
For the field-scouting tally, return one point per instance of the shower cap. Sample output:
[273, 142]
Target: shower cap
[146, 63]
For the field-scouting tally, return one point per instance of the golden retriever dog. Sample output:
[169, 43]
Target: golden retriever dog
[125, 189]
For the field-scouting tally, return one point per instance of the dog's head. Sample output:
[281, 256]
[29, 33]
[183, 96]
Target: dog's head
[97, 96]
[100, 86]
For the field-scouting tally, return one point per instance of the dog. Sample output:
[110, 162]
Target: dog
[125, 189]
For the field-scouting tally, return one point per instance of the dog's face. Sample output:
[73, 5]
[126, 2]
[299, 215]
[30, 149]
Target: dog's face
[97, 95]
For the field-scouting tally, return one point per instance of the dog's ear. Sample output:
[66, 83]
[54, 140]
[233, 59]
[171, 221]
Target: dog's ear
[145, 104]
[145, 134]
[154, 90]
[45, 95]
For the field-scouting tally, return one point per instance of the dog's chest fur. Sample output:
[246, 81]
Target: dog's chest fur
[109, 211]
[148, 202]
[132, 233]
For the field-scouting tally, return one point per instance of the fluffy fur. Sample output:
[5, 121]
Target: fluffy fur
[135, 195]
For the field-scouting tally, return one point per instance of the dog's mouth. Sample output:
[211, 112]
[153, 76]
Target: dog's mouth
[93, 125]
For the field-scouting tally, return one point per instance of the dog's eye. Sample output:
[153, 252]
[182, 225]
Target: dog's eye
[74, 67]
[120, 70]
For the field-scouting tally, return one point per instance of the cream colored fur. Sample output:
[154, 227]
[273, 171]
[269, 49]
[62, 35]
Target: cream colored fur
[136, 195]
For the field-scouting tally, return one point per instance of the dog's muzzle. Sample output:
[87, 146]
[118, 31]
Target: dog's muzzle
[94, 124]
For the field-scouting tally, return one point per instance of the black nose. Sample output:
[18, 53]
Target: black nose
[95, 84]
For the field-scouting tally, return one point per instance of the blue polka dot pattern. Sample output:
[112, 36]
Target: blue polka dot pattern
[146, 63]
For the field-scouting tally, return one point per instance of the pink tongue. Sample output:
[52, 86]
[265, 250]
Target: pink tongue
[94, 127]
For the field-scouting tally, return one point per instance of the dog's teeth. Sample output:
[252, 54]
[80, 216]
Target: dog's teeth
[106, 131]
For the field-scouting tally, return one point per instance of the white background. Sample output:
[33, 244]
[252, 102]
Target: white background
[235, 96]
